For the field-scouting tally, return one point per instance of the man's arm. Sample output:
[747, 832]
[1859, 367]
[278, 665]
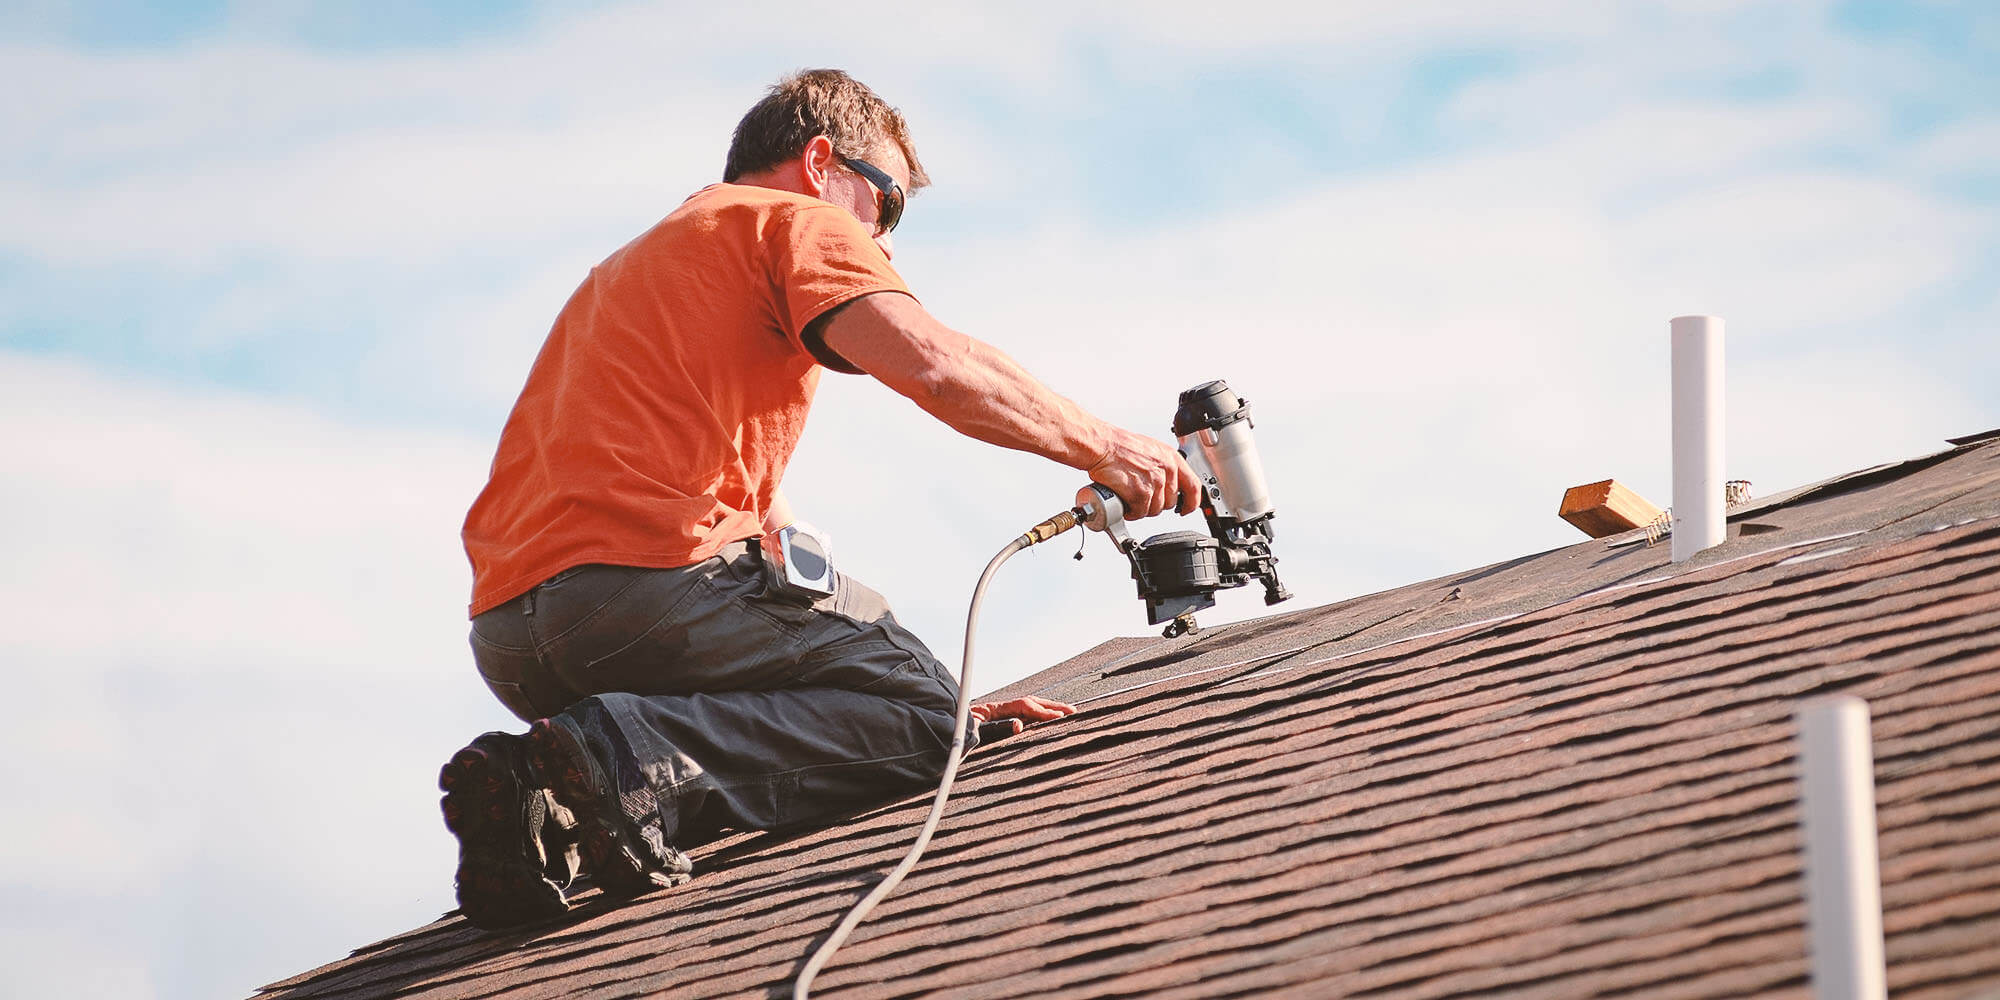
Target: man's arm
[982, 393]
[780, 513]
[1017, 714]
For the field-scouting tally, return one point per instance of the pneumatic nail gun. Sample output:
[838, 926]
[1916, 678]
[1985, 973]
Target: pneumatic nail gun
[1178, 572]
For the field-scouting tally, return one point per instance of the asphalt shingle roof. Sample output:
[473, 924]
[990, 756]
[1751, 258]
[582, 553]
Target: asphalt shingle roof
[1571, 774]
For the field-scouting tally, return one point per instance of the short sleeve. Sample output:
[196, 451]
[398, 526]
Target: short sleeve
[821, 257]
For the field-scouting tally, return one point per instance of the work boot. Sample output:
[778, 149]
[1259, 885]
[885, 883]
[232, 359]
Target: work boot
[500, 816]
[616, 856]
[560, 835]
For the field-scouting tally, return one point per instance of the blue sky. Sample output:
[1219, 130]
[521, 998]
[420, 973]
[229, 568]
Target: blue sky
[1229, 136]
[358, 27]
[273, 273]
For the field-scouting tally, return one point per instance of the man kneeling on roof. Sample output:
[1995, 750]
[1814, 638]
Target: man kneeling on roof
[624, 599]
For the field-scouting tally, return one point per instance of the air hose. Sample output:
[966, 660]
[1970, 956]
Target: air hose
[1039, 533]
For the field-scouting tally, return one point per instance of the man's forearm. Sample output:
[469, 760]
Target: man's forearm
[972, 386]
[985, 394]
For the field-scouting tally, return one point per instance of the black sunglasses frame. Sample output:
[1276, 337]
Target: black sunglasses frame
[892, 193]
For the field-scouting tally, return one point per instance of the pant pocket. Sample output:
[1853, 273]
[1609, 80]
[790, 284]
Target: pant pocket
[879, 667]
[516, 676]
[577, 601]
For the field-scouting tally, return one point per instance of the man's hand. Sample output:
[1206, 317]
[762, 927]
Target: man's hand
[1148, 474]
[1020, 711]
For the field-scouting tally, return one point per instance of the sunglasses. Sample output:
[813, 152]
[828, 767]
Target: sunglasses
[892, 193]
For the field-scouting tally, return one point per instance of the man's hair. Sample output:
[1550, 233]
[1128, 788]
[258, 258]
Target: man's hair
[817, 102]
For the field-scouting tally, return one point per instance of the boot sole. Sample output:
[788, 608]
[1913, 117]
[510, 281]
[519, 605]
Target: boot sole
[501, 883]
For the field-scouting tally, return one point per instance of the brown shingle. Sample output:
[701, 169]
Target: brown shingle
[1570, 774]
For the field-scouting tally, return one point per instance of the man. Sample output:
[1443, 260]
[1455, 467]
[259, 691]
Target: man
[624, 598]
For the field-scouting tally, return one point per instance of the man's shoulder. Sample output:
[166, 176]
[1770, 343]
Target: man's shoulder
[745, 214]
[738, 215]
[748, 199]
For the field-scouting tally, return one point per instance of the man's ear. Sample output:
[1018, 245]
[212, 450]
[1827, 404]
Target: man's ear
[815, 163]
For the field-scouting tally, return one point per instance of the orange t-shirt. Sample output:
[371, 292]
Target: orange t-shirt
[658, 418]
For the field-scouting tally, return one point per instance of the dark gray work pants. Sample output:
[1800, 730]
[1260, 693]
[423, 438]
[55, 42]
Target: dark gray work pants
[713, 706]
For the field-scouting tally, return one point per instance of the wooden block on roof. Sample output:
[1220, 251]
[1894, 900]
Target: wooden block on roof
[1606, 508]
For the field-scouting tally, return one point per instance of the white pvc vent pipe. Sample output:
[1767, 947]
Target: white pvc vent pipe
[1843, 874]
[1698, 424]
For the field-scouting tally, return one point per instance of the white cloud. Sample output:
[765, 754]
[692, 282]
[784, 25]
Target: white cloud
[1229, 33]
[241, 627]
[238, 145]
[1966, 149]
[162, 505]
[1804, 251]
[57, 962]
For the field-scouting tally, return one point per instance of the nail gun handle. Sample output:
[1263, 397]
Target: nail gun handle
[1099, 509]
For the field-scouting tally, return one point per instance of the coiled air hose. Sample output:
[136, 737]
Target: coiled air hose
[1042, 532]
